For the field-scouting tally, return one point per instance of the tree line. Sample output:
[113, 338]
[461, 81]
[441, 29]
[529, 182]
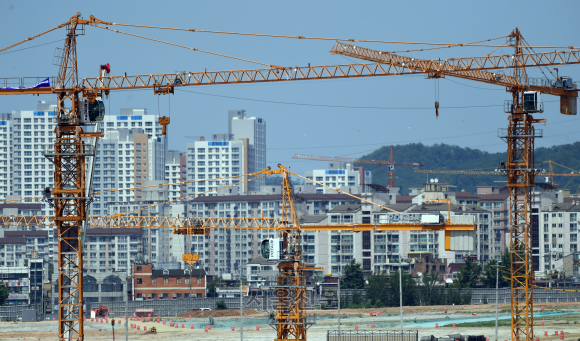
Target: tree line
[383, 290]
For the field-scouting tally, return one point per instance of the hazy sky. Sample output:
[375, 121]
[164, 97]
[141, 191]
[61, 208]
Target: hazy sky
[316, 127]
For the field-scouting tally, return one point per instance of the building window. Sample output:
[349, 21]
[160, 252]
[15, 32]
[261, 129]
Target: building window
[179, 281]
[166, 281]
[154, 281]
[139, 281]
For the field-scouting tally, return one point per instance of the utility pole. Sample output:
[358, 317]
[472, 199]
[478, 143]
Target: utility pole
[401, 292]
[126, 313]
[496, 298]
[241, 299]
[339, 305]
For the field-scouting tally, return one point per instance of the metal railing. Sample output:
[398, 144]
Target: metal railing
[372, 335]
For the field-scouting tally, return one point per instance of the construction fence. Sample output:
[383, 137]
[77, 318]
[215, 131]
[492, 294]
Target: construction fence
[12, 312]
[175, 307]
[372, 335]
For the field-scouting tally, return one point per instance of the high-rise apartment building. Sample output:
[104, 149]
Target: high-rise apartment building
[211, 160]
[251, 131]
[33, 134]
[131, 152]
[175, 172]
[6, 126]
[339, 175]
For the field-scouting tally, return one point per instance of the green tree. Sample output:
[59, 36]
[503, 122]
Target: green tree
[353, 277]
[3, 294]
[211, 287]
[376, 290]
[468, 275]
[490, 272]
[221, 305]
[431, 292]
[408, 286]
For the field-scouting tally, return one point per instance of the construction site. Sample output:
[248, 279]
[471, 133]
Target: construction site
[301, 243]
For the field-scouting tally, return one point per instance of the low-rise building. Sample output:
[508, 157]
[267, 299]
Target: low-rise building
[150, 283]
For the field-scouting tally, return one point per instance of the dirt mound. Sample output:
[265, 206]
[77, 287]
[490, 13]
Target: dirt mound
[220, 313]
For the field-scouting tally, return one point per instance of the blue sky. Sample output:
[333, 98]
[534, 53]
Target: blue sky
[304, 129]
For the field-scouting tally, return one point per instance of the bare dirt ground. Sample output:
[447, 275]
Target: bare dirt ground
[422, 319]
[220, 313]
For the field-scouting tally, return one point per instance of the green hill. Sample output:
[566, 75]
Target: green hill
[449, 157]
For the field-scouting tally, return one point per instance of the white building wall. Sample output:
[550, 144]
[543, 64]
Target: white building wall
[254, 129]
[208, 160]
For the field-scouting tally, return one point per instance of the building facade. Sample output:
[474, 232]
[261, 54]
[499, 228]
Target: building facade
[150, 283]
[251, 131]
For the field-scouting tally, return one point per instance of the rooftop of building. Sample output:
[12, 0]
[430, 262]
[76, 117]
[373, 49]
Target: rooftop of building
[117, 231]
[493, 197]
[269, 197]
[12, 240]
[565, 206]
[261, 261]
[21, 206]
[404, 199]
[465, 195]
[177, 272]
[458, 208]
[26, 234]
[350, 208]
[399, 207]
[312, 219]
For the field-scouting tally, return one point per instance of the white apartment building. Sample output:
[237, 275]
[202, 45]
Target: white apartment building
[175, 172]
[33, 133]
[6, 165]
[251, 131]
[339, 175]
[558, 234]
[210, 160]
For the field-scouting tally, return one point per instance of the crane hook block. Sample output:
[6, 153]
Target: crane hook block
[436, 110]
[164, 121]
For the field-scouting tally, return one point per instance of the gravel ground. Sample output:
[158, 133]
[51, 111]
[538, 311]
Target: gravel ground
[422, 319]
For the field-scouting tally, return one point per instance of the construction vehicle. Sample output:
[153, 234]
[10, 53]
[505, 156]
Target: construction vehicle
[71, 193]
[391, 164]
[103, 310]
[152, 330]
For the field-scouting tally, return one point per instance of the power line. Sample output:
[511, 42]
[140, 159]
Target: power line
[339, 106]
[26, 48]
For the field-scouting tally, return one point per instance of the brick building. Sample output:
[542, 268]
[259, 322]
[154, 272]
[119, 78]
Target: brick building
[150, 283]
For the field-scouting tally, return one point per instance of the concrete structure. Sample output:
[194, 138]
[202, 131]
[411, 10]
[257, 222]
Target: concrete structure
[339, 175]
[33, 133]
[175, 172]
[18, 245]
[99, 287]
[25, 281]
[558, 234]
[150, 283]
[6, 152]
[496, 200]
[209, 160]
[251, 131]
[117, 249]
[222, 251]
[261, 272]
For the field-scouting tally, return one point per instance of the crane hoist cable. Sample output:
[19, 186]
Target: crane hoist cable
[187, 47]
[334, 39]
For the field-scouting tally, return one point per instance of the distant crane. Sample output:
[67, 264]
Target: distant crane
[389, 162]
[550, 174]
